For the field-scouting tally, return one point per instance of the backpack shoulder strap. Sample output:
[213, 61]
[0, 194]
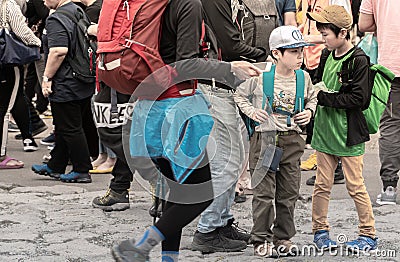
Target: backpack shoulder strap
[268, 86]
[300, 83]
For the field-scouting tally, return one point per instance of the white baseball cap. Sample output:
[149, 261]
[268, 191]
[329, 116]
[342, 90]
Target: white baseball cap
[287, 36]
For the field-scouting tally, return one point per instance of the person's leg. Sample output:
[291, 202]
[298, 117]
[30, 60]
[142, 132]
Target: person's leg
[90, 131]
[176, 216]
[322, 191]
[355, 185]
[224, 149]
[70, 131]
[20, 111]
[389, 139]
[41, 101]
[287, 187]
[117, 196]
[30, 81]
[9, 88]
[263, 183]
[102, 157]
[59, 154]
[244, 178]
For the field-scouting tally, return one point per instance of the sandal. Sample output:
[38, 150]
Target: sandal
[4, 163]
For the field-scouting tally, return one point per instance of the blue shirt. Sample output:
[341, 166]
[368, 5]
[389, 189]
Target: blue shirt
[284, 6]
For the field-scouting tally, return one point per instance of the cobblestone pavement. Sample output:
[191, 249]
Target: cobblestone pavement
[46, 220]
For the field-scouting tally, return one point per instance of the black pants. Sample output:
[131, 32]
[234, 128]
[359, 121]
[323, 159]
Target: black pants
[70, 139]
[33, 87]
[176, 216]
[9, 89]
[122, 175]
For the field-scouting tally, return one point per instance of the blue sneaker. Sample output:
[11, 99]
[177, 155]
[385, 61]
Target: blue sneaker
[75, 177]
[322, 240]
[362, 243]
[44, 170]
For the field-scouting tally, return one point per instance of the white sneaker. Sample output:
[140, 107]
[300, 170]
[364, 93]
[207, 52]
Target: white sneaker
[30, 145]
[387, 197]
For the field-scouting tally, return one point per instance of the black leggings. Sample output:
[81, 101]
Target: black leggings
[176, 216]
[9, 88]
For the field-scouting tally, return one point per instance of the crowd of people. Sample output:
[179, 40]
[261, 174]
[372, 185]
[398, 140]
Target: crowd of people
[254, 104]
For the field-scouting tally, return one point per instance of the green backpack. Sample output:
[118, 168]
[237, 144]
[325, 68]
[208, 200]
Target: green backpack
[380, 89]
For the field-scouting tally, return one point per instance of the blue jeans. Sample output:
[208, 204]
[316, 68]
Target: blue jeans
[226, 153]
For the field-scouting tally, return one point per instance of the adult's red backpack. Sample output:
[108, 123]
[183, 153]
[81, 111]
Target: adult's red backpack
[128, 43]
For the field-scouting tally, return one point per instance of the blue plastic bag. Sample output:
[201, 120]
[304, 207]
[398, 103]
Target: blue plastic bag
[369, 45]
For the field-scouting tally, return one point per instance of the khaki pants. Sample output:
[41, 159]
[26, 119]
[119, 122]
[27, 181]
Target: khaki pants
[352, 168]
[275, 191]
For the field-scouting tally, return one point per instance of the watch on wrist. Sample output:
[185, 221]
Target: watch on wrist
[46, 79]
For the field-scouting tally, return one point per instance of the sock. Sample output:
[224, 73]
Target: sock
[150, 239]
[169, 256]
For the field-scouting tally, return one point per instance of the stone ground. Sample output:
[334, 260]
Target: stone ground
[46, 220]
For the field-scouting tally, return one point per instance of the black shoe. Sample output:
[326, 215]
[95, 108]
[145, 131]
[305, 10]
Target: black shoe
[12, 127]
[37, 129]
[339, 177]
[112, 201]
[216, 242]
[155, 212]
[49, 140]
[240, 198]
[231, 231]
[30, 145]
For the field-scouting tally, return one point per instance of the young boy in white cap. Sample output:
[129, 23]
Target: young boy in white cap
[288, 109]
[339, 117]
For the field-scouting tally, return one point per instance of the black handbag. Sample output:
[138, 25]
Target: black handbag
[13, 51]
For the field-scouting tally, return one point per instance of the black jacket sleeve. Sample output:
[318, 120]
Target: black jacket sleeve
[218, 15]
[353, 96]
[181, 35]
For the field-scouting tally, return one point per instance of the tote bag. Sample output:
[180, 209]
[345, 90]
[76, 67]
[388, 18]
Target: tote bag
[13, 51]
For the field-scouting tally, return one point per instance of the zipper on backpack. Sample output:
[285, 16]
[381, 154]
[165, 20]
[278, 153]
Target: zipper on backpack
[90, 52]
[126, 4]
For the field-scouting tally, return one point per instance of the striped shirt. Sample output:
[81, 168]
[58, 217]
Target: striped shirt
[15, 22]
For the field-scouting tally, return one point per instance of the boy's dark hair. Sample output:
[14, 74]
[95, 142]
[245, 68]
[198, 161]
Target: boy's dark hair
[282, 50]
[336, 30]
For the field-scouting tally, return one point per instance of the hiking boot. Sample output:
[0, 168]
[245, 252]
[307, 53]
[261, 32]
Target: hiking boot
[216, 242]
[310, 163]
[362, 243]
[387, 197]
[30, 145]
[285, 247]
[240, 197]
[232, 231]
[36, 130]
[323, 242]
[44, 170]
[112, 201]
[126, 251]
[338, 179]
[75, 177]
[265, 250]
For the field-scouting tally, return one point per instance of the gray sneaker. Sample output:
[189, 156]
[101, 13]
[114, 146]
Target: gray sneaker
[387, 197]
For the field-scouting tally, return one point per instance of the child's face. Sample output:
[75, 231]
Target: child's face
[331, 40]
[292, 58]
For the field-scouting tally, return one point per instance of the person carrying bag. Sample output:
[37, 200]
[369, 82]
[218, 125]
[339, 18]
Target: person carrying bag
[11, 79]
